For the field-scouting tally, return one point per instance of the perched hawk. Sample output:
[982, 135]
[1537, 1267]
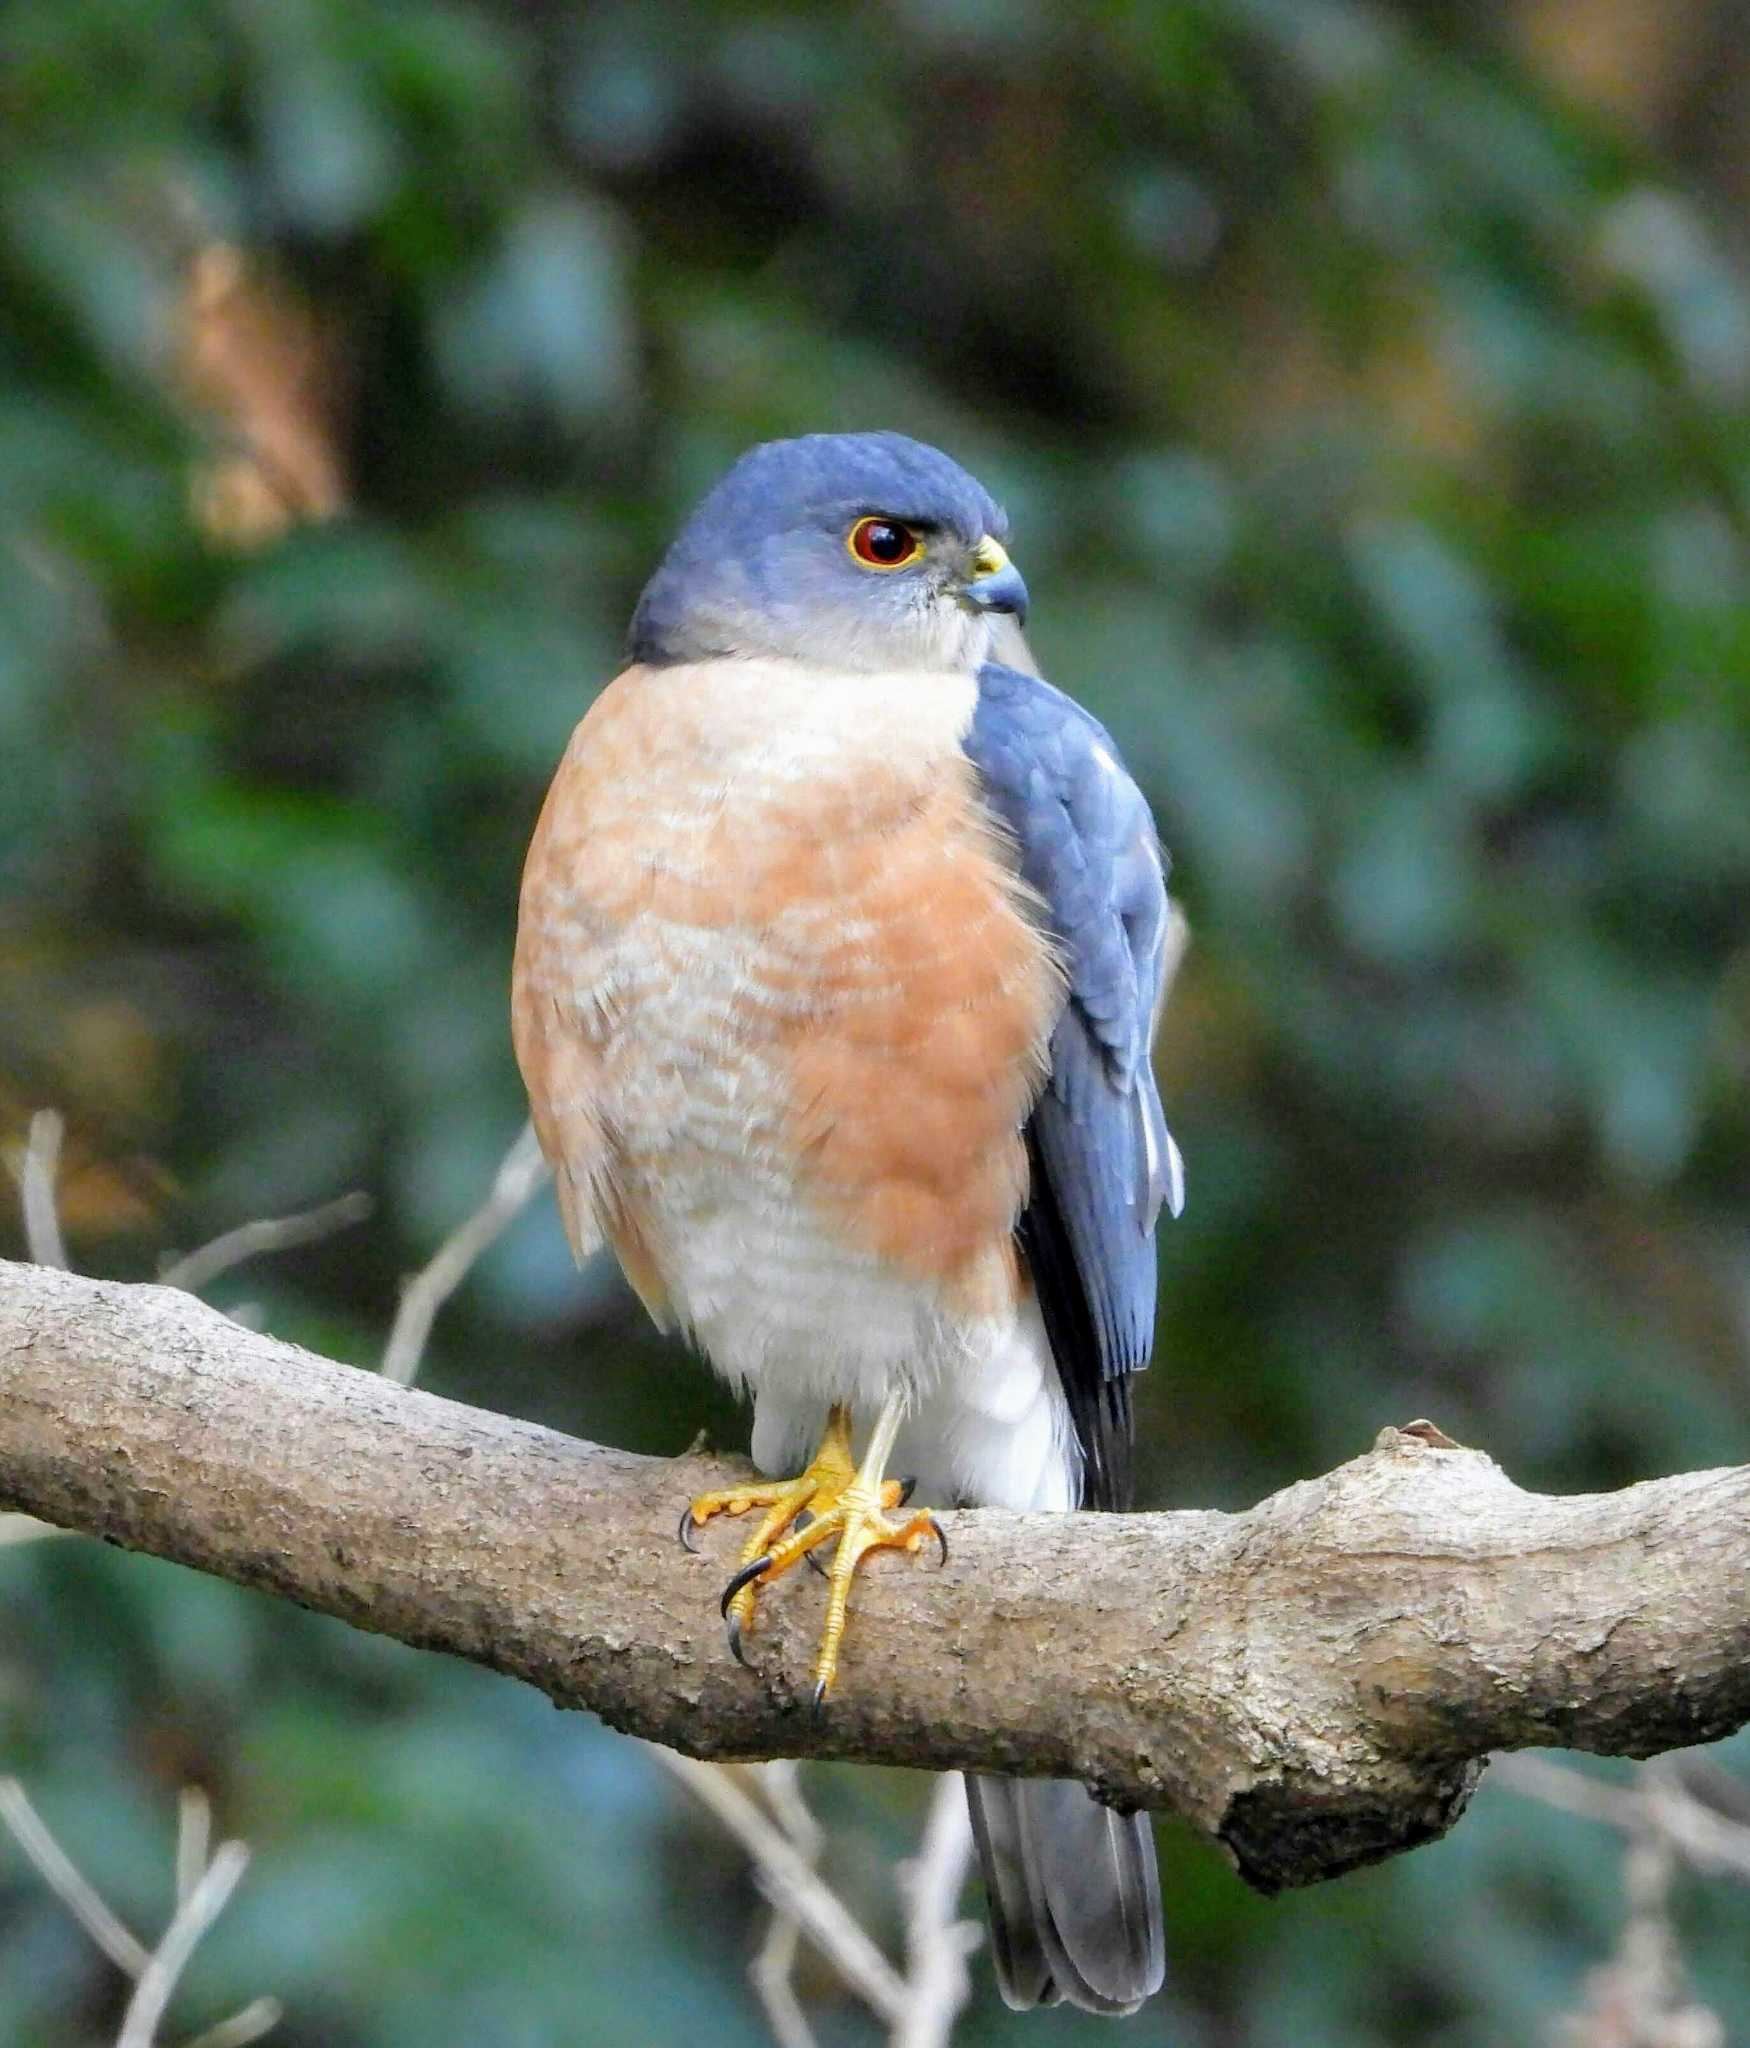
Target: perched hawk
[839, 956]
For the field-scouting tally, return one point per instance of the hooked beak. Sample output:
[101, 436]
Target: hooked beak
[995, 584]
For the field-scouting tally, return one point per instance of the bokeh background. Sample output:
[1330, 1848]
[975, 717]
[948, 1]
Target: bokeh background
[1370, 388]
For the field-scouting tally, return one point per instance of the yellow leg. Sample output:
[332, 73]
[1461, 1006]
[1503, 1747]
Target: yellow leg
[830, 1471]
[837, 1498]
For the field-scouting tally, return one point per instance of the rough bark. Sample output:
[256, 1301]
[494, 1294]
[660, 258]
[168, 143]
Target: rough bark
[1313, 1682]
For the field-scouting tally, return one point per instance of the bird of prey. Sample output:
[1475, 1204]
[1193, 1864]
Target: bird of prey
[840, 948]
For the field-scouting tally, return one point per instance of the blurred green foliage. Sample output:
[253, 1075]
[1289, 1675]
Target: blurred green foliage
[1370, 386]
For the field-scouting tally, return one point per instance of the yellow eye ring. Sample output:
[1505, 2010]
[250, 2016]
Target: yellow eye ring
[878, 543]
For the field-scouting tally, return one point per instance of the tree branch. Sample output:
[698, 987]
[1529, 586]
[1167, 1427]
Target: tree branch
[1313, 1682]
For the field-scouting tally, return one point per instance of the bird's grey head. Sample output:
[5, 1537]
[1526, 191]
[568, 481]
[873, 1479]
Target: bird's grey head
[861, 551]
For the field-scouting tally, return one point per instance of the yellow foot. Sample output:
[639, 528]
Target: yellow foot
[833, 1497]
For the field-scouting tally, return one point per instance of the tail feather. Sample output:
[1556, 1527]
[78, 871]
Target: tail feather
[1075, 1902]
[1023, 1968]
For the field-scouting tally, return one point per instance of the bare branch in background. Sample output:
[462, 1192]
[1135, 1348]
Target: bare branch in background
[522, 1171]
[1640, 1998]
[771, 1974]
[155, 1972]
[258, 2017]
[35, 1169]
[168, 1961]
[199, 1268]
[59, 1872]
[919, 2008]
[1657, 1802]
[792, 1883]
[772, 1970]
[194, 1834]
[937, 1941]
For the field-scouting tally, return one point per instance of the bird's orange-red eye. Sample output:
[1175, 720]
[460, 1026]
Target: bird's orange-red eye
[883, 544]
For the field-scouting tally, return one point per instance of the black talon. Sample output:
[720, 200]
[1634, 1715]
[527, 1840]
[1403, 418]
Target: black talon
[936, 1531]
[817, 1705]
[735, 1649]
[742, 1577]
[688, 1529]
[907, 1487]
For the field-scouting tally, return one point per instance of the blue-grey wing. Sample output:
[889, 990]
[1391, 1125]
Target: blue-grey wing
[1102, 1160]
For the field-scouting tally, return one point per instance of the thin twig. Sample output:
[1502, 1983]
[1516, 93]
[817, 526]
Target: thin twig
[199, 1268]
[1618, 1806]
[36, 1171]
[772, 1970]
[1657, 1800]
[168, 1961]
[155, 1972]
[520, 1173]
[781, 1787]
[194, 1833]
[1640, 1999]
[790, 1881]
[258, 2017]
[937, 1941]
[771, 1973]
[1703, 1838]
[57, 1870]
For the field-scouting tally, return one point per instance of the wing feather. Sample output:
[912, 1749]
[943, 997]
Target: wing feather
[1102, 1160]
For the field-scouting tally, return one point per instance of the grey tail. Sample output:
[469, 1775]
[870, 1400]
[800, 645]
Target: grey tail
[1075, 1901]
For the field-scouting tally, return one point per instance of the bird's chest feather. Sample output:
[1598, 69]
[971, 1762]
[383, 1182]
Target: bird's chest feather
[767, 912]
